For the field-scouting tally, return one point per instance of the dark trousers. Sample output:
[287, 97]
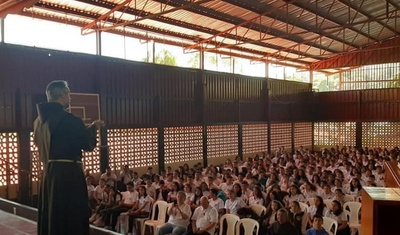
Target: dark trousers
[111, 215]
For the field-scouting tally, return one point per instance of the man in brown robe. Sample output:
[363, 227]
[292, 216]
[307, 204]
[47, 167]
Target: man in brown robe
[61, 137]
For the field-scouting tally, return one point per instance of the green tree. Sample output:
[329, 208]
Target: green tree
[395, 83]
[165, 57]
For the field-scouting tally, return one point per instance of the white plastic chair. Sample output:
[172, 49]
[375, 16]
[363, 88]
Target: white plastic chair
[328, 203]
[304, 207]
[258, 209]
[122, 223]
[310, 201]
[349, 198]
[352, 210]
[141, 221]
[231, 222]
[156, 223]
[330, 224]
[250, 226]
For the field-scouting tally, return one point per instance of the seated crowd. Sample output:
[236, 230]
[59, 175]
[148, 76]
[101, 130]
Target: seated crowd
[281, 182]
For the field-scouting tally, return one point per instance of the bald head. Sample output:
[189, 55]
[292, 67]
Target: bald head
[204, 202]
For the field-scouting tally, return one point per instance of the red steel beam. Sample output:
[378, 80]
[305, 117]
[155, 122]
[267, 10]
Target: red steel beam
[339, 29]
[14, 6]
[105, 16]
[151, 16]
[198, 44]
[361, 56]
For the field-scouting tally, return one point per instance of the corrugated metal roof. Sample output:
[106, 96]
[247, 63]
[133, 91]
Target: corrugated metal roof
[295, 32]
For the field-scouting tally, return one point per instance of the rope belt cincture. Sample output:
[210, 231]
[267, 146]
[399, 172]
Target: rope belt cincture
[65, 160]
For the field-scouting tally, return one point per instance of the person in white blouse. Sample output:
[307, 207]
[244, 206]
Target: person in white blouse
[204, 219]
[189, 195]
[327, 192]
[257, 197]
[233, 204]
[141, 208]
[294, 195]
[319, 208]
[338, 214]
[215, 201]
[179, 215]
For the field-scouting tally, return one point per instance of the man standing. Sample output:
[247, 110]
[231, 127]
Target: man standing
[204, 219]
[61, 137]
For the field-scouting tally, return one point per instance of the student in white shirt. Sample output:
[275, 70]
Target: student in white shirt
[141, 208]
[215, 201]
[233, 204]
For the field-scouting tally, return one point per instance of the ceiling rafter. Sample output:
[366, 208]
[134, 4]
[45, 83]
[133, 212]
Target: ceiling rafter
[145, 28]
[347, 32]
[344, 25]
[384, 49]
[237, 21]
[338, 30]
[167, 20]
[14, 6]
[368, 15]
[124, 7]
[295, 22]
[93, 24]
[147, 37]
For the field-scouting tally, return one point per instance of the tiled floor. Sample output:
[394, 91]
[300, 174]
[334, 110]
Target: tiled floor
[14, 225]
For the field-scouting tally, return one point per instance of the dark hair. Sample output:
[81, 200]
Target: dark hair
[318, 216]
[145, 191]
[188, 185]
[238, 194]
[340, 210]
[214, 191]
[321, 206]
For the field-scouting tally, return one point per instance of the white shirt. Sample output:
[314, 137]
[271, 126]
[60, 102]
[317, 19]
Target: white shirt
[217, 204]
[225, 187]
[234, 206]
[189, 197]
[177, 218]
[99, 192]
[151, 191]
[313, 209]
[129, 197]
[142, 200]
[109, 179]
[126, 176]
[339, 218]
[205, 217]
[90, 188]
[253, 200]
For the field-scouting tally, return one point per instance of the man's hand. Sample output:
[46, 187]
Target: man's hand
[98, 123]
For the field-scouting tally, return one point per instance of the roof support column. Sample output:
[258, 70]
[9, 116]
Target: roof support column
[98, 42]
[311, 77]
[201, 59]
[2, 29]
[266, 69]
[154, 52]
[340, 80]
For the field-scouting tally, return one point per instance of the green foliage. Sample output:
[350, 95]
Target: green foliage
[395, 83]
[165, 57]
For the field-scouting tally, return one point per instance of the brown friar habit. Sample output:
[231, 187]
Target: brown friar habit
[63, 198]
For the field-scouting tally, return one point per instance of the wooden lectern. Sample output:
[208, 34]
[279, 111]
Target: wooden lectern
[381, 206]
